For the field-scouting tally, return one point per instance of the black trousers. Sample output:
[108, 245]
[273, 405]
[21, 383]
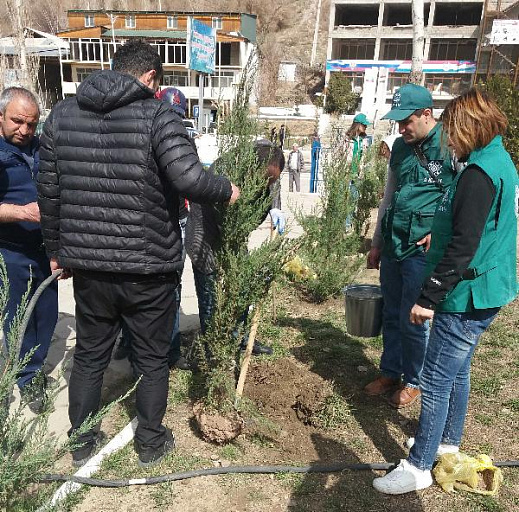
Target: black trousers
[146, 304]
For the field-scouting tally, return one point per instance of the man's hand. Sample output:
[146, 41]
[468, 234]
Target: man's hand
[426, 241]
[235, 194]
[19, 213]
[419, 315]
[31, 212]
[374, 258]
[278, 220]
[66, 272]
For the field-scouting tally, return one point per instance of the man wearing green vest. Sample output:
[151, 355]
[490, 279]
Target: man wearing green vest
[420, 171]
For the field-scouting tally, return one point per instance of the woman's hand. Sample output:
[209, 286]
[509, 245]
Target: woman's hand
[419, 315]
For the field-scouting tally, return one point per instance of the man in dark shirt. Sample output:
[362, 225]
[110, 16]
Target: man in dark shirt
[21, 244]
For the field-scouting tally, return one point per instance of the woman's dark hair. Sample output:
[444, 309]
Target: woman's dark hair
[136, 58]
[356, 130]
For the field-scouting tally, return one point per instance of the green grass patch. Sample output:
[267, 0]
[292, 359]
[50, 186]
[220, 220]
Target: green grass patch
[488, 386]
[230, 452]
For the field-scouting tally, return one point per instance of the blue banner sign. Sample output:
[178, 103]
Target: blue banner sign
[403, 66]
[202, 47]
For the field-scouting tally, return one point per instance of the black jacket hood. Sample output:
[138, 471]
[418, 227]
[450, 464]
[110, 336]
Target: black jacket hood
[104, 91]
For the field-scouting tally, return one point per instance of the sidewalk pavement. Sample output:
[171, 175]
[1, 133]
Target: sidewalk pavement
[61, 353]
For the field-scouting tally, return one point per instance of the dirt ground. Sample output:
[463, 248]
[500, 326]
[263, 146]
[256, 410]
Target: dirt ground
[314, 359]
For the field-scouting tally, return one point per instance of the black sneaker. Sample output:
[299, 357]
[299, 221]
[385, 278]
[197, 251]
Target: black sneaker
[180, 363]
[258, 348]
[149, 457]
[82, 455]
[34, 394]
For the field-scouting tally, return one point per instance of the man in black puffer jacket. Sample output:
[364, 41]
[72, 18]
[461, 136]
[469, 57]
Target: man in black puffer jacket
[113, 163]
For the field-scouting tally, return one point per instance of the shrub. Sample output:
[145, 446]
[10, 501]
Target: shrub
[507, 97]
[340, 99]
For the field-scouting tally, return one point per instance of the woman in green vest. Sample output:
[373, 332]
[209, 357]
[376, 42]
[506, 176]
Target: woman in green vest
[472, 273]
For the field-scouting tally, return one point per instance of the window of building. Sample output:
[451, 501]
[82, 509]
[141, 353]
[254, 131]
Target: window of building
[448, 84]
[217, 23]
[354, 49]
[398, 14]
[225, 59]
[175, 79]
[356, 15]
[177, 54]
[223, 79]
[172, 22]
[82, 73]
[457, 14]
[89, 20]
[396, 49]
[130, 21]
[452, 49]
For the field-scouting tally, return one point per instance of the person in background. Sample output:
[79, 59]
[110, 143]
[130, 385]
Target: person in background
[356, 141]
[471, 269]
[296, 164]
[113, 163]
[314, 170]
[21, 243]
[274, 135]
[420, 171]
[282, 136]
[386, 146]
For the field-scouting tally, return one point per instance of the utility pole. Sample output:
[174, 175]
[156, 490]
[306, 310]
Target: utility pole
[20, 36]
[316, 33]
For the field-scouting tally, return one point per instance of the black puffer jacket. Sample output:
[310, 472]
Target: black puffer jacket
[113, 161]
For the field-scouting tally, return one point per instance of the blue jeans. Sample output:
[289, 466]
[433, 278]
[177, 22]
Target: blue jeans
[20, 268]
[404, 343]
[445, 382]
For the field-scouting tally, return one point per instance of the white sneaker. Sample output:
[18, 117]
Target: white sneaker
[442, 449]
[404, 478]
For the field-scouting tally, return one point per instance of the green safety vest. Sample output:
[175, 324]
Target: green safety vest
[493, 267]
[409, 216]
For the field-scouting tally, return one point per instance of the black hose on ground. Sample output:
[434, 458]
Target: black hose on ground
[332, 468]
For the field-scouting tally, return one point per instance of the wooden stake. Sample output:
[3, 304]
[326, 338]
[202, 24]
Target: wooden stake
[273, 234]
[248, 354]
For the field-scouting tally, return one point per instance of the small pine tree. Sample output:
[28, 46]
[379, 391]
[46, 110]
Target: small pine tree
[330, 252]
[340, 99]
[243, 277]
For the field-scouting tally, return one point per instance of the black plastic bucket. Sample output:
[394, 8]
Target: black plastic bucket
[363, 306]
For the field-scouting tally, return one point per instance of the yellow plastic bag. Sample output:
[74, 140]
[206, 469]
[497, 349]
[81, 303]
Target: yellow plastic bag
[473, 474]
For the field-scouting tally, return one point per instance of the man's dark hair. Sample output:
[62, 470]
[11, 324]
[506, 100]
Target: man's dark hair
[269, 154]
[136, 58]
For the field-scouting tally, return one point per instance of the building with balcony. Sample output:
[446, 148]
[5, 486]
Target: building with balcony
[498, 53]
[371, 41]
[93, 37]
